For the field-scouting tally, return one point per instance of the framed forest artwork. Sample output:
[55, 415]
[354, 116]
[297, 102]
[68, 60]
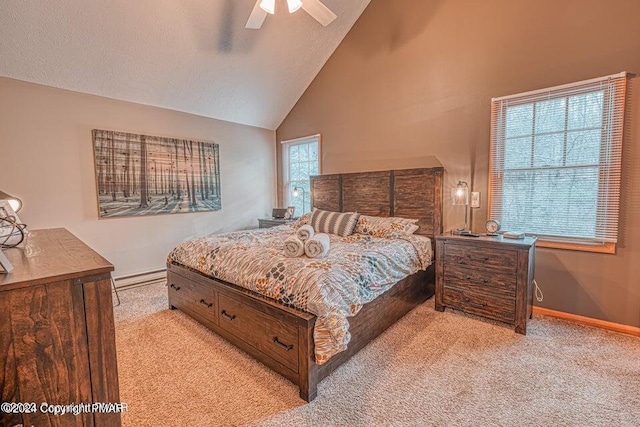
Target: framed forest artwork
[149, 175]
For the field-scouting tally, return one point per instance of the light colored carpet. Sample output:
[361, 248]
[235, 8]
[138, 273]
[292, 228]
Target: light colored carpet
[429, 369]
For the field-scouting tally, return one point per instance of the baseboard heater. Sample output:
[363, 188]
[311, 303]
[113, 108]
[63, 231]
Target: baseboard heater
[140, 279]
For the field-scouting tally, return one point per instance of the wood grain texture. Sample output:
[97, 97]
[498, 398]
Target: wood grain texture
[481, 257]
[368, 193]
[8, 370]
[501, 309]
[50, 256]
[307, 368]
[486, 276]
[498, 283]
[409, 193]
[523, 286]
[195, 297]
[326, 192]
[57, 335]
[102, 344]
[531, 288]
[271, 336]
[51, 350]
[416, 195]
[439, 305]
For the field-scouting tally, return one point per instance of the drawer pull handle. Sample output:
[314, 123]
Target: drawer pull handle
[464, 261]
[475, 304]
[282, 345]
[206, 304]
[484, 258]
[470, 279]
[177, 288]
[228, 316]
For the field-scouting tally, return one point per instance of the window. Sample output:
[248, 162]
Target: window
[555, 163]
[301, 159]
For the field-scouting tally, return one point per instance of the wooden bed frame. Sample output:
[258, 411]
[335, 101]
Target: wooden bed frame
[282, 337]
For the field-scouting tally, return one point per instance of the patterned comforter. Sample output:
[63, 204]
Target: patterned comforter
[357, 270]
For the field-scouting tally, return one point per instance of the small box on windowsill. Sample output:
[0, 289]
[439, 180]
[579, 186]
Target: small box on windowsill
[513, 235]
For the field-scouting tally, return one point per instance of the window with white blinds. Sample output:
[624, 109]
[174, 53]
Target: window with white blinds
[556, 161]
[300, 160]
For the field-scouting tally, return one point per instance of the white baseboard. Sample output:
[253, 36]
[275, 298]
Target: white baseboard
[140, 279]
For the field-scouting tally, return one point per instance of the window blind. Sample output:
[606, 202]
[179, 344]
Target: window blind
[300, 160]
[555, 160]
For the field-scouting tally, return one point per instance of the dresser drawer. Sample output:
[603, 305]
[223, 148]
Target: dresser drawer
[477, 257]
[498, 283]
[502, 309]
[194, 298]
[267, 334]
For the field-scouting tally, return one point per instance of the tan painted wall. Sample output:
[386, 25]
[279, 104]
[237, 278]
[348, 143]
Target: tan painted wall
[411, 85]
[46, 159]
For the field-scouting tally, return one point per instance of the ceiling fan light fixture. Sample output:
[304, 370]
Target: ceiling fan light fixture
[269, 6]
[294, 5]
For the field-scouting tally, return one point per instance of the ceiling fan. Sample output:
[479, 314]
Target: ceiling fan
[315, 8]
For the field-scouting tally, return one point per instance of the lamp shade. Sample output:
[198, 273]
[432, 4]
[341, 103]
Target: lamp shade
[14, 202]
[268, 6]
[294, 5]
[460, 194]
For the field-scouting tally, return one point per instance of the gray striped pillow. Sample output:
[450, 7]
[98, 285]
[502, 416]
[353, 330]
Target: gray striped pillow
[338, 223]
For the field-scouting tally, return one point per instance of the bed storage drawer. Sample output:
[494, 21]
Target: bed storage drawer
[195, 298]
[276, 339]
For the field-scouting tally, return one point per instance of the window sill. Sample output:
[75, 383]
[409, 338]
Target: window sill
[606, 248]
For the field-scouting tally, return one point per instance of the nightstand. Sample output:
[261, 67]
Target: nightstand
[273, 222]
[487, 276]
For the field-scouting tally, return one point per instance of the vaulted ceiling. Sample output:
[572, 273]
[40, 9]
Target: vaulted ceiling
[187, 55]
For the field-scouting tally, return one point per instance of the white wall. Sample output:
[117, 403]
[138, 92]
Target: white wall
[46, 159]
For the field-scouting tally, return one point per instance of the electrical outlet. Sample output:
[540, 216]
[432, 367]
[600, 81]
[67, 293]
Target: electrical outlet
[475, 199]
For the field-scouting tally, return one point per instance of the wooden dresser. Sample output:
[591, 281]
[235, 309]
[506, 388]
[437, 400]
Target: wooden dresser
[57, 337]
[486, 276]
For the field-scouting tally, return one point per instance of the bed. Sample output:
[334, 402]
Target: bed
[271, 329]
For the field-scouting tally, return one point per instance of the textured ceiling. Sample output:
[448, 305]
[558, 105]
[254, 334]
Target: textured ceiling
[187, 55]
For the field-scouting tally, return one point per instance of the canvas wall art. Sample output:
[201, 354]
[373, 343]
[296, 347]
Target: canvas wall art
[149, 175]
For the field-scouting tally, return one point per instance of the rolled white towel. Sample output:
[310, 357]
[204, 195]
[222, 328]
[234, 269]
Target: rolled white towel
[318, 246]
[305, 232]
[293, 247]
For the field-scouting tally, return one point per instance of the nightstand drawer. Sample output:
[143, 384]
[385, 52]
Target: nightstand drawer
[486, 276]
[494, 259]
[502, 309]
[498, 283]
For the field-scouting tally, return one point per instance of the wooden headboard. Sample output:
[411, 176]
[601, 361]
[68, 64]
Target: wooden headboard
[408, 193]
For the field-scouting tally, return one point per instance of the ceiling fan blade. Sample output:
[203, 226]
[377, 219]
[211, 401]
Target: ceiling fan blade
[319, 11]
[256, 18]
